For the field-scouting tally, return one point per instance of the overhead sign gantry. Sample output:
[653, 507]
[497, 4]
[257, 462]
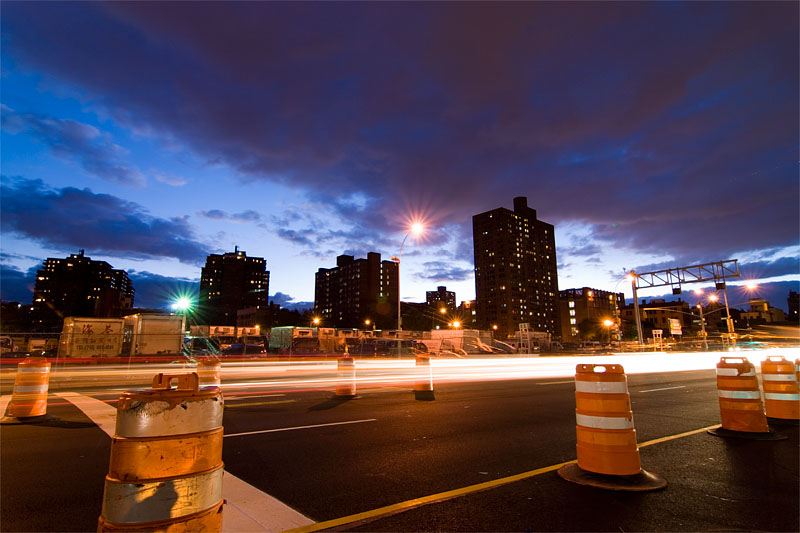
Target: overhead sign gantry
[717, 272]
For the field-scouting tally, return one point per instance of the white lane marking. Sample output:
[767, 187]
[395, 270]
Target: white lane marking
[248, 509]
[666, 388]
[230, 398]
[299, 427]
[101, 413]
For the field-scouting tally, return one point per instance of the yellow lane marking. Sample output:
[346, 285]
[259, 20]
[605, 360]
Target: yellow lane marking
[249, 404]
[407, 505]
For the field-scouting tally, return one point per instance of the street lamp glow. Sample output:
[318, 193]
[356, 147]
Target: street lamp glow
[182, 304]
[417, 228]
[751, 286]
[316, 321]
[608, 323]
[713, 297]
[456, 324]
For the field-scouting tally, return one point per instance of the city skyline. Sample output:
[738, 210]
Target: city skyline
[650, 135]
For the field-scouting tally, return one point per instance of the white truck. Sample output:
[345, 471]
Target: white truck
[153, 334]
[91, 337]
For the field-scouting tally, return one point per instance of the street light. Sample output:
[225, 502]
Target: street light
[608, 323]
[416, 229]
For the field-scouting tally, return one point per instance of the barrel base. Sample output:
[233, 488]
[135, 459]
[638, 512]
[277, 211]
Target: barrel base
[643, 481]
[772, 421]
[343, 397]
[10, 420]
[748, 435]
[424, 395]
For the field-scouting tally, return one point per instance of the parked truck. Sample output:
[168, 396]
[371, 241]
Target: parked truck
[91, 337]
[153, 334]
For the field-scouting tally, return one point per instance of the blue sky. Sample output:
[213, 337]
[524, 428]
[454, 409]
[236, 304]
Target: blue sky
[652, 135]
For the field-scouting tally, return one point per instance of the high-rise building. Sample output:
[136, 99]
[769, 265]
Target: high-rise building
[516, 281]
[441, 297]
[230, 282]
[79, 286]
[596, 306]
[357, 290]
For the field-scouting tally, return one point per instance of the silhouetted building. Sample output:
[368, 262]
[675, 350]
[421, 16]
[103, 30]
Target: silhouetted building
[515, 270]
[357, 290]
[230, 282]
[762, 313]
[79, 286]
[592, 305]
[441, 297]
[794, 306]
[658, 312]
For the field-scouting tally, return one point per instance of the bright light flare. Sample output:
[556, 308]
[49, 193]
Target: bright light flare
[182, 304]
[417, 228]
[713, 297]
[751, 285]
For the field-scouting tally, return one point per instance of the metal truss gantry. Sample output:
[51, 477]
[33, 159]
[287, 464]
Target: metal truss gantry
[717, 272]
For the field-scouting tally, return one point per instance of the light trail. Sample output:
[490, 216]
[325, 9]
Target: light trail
[315, 375]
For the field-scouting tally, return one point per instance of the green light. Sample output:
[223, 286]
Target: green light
[182, 304]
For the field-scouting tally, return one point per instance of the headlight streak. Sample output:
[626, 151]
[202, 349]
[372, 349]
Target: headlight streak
[315, 375]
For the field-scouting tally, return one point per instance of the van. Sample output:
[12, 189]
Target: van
[590, 345]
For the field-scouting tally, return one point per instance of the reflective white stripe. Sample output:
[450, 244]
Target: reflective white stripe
[150, 501]
[740, 394]
[603, 387]
[779, 377]
[604, 422]
[734, 372]
[31, 388]
[33, 369]
[781, 396]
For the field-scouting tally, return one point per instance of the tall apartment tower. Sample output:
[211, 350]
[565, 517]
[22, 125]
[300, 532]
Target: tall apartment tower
[79, 286]
[230, 282]
[515, 270]
[357, 291]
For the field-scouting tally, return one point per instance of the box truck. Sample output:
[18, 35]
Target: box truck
[91, 337]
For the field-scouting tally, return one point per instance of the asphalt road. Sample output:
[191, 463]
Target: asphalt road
[333, 459]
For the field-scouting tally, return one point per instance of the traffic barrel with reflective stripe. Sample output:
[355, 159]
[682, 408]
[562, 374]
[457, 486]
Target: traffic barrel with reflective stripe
[781, 394]
[166, 468]
[608, 455]
[797, 369]
[346, 375]
[423, 385]
[209, 371]
[29, 397]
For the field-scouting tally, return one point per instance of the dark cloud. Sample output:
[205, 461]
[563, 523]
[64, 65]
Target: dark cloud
[439, 271]
[69, 139]
[16, 285]
[671, 128]
[244, 216]
[287, 302]
[78, 218]
[154, 291]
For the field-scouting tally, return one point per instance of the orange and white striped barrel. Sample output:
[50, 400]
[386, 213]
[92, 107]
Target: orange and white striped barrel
[781, 394]
[424, 381]
[739, 396]
[166, 467]
[797, 369]
[346, 375]
[209, 371]
[606, 436]
[29, 397]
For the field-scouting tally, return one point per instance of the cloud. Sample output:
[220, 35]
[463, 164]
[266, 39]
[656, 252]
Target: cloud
[245, 216]
[669, 129]
[17, 286]
[169, 179]
[287, 302]
[80, 219]
[69, 139]
[154, 291]
[439, 271]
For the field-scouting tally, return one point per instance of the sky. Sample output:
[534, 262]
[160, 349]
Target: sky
[652, 135]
